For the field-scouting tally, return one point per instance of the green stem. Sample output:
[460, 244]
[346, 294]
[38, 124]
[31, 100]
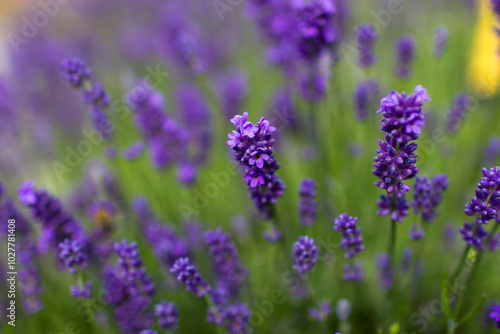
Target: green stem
[392, 239]
[460, 266]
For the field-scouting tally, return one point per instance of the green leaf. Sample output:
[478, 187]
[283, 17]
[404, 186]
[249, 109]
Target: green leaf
[472, 311]
[394, 329]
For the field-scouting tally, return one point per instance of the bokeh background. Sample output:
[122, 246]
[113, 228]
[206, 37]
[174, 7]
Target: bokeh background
[122, 41]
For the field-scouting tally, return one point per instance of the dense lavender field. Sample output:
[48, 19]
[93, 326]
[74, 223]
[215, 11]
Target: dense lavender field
[260, 166]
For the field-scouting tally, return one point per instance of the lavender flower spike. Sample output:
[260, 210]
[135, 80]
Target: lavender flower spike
[188, 275]
[396, 158]
[487, 201]
[168, 315]
[441, 36]
[494, 313]
[352, 241]
[366, 36]
[72, 255]
[307, 204]
[253, 148]
[405, 53]
[305, 254]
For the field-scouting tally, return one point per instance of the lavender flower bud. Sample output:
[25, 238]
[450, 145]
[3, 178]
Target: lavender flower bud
[168, 315]
[366, 36]
[352, 241]
[343, 309]
[305, 254]
[457, 112]
[441, 36]
[72, 255]
[321, 312]
[487, 200]
[405, 53]
[188, 275]
[307, 203]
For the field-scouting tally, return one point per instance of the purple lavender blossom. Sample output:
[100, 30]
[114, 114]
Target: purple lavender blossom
[399, 211]
[305, 254]
[75, 71]
[428, 195]
[148, 331]
[492, 151]
[81, 291]
[366, 36]
[307, 203]
[474, 235]
[196, 118]
[495, 5]
[186, 173]
[272, 235]
[352, 241]
[458, 110]
[72, 255]
[57, 224]
[96, 95]
[352, 273]
[416, 232]
[167, 314]
[237, 319]
[232, 90]
[313, 84]
[441, 36]
[134, 151]
[133, 315]
[317, 33]
[188, 275]
[132, 270]
[386, 275]
[253, 148]
[487, 201]
[227, 264]
[494, 313]
[396, 158]
[321, 312]
[362, 96]
[405, 53]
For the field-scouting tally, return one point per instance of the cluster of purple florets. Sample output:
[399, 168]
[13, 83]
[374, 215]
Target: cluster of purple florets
[495, 310]
[227, 264]
[187, 274]
[307, 202]
[305, 254]
[396, 158]
[78, 75]
[458, 111]
[166, 139]
[485, 207]
[428, 194]
[352, 243]
[405, 53]
[57, 224]
[167, 315]
[253, 148]
[366, 36]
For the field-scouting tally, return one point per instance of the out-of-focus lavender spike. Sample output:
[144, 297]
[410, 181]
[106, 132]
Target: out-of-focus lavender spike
[352, 273]
[167, 314]
[305, 254]
[458, 111]
[226, 262]
[134, 151]
[441, 36]
[352, 241]
[232, 89]
[307, 202]
[405, 49]
[386, 275]
[400, 208]
[416, 232]
[366, 36]
[188, 275]
[363, 95]
[492, 151]
[321, 311]
[57, 224]
[187, 173]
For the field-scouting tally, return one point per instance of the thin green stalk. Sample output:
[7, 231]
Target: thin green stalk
[392, 239]
[460, 264]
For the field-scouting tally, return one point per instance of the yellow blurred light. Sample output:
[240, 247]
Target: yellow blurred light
[484, 67]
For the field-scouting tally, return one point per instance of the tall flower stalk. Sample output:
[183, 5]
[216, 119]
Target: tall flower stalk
[396, 158]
